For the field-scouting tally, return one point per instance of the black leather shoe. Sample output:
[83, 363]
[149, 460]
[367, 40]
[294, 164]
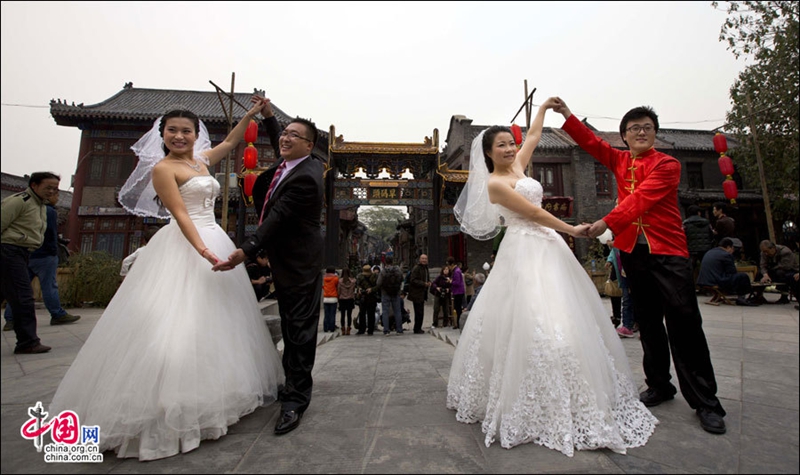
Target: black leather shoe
[741, 301]
[710, 421]
[287, 422]
[418, 332]
[651, 397]
[37, 348]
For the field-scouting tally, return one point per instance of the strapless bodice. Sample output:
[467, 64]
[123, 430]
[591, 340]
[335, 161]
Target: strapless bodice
[532, 191]
[199, 194]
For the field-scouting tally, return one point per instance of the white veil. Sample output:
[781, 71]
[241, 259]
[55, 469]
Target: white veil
[478, 216]
[137, 195]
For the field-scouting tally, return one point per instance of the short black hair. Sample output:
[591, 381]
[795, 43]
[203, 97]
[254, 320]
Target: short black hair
[693, 210]
[309, 125]
[721, 206]
[635, 114]
[726, 242]
[38, 177]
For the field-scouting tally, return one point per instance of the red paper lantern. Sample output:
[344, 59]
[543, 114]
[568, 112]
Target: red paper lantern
[729, 186]
[720, 143]
[517, 132]
[725, 165]
[251, 134]
[250, 157]
[249, 181]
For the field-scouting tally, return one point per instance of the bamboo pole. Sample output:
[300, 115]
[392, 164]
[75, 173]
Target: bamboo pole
[227, 161]
[528, 100]
[764, 192]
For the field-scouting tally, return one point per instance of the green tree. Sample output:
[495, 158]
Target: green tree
[381, 221]
[767, 33]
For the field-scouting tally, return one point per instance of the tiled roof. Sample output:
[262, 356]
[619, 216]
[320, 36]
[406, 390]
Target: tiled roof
[692, 139]
[12, 184]
[454, 176]
[666, 139]
[745, 196]
[551, 138]
[147, 104]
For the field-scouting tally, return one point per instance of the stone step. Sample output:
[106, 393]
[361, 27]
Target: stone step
[447, 335]
[269, 309]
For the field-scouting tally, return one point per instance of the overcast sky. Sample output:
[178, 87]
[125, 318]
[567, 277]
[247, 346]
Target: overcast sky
[377, 71]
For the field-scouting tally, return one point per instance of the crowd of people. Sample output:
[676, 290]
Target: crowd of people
[390, 286]
[538, 360]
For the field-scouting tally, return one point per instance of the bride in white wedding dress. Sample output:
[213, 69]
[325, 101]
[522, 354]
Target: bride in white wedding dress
[181, 352]
[538, 360]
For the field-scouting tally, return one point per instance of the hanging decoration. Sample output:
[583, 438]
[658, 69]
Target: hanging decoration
[250, 160]
[726, 167]
[516, 131]
[249, 181]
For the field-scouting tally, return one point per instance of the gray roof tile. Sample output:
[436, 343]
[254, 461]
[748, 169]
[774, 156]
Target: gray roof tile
[692, 139]
[147, 104]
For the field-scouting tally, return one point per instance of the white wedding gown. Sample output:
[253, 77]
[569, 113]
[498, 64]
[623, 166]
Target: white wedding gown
[180, 353]
[539, 360]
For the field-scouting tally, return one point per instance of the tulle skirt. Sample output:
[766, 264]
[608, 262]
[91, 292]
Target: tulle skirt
[539, 360]
[179, 354]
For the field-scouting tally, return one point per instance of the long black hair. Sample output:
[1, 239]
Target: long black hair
[488, 141]
[183, 113]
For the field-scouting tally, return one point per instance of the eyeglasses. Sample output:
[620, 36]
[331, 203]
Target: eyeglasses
[294, 136]
[635, 129]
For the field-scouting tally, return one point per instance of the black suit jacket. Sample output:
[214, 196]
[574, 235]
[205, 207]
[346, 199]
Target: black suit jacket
[291, 231]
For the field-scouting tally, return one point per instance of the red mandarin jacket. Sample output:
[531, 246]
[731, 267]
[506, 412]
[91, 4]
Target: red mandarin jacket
[647, 186]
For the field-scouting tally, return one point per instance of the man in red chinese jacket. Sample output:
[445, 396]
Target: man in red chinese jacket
[649, 233]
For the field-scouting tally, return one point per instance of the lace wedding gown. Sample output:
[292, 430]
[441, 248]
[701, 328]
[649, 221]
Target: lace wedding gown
[180, 353]
[539, 360]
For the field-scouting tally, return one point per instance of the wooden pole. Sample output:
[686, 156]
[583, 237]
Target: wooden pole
[764, 192]
[227, 162]
[529, 98]
[528, 101]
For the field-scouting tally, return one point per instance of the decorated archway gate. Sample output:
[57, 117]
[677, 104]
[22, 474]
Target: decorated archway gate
[384, 174]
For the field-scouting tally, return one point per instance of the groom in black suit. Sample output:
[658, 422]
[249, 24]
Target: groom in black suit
[288, 199]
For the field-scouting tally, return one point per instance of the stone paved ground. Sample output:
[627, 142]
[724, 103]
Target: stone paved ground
[379, 407]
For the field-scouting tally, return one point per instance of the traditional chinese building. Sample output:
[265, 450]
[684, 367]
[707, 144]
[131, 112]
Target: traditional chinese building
[570, 175]
[382, 174]
[576, 187]
[105, 160]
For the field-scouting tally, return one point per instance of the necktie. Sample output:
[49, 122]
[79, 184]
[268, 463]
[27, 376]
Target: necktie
[275, 179]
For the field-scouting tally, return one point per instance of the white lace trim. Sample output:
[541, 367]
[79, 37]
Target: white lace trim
[554, 407]
[532, 191]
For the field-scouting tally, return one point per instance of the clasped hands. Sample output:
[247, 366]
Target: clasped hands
[590, 230]
[236, 258]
